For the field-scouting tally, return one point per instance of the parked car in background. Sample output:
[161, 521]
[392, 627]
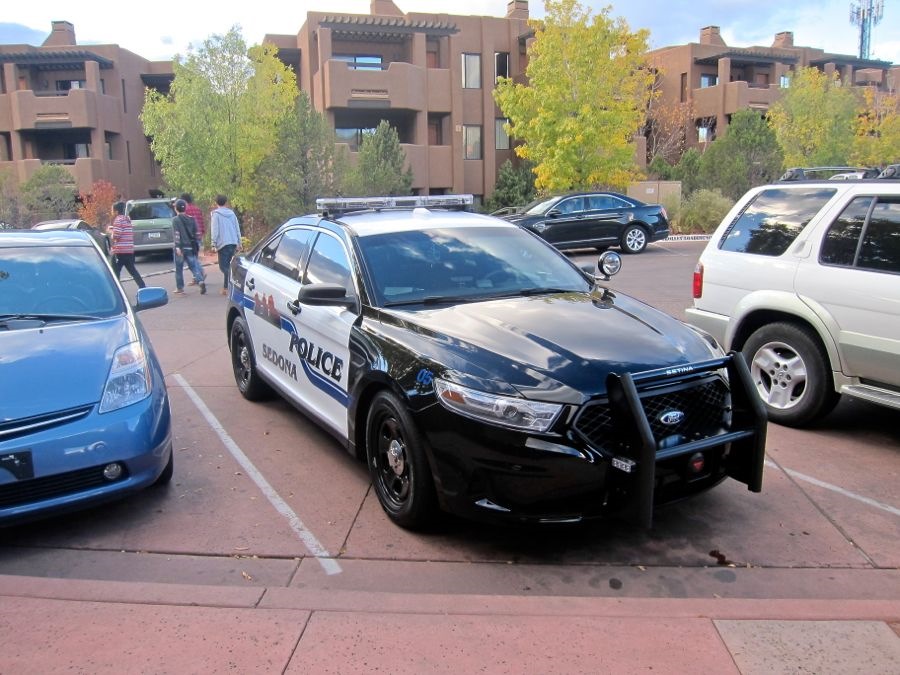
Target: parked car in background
[152, 222]
[84, 412]
[594, 220]
[804, 278]
[829, 173]
[99, 235]
[477, 370]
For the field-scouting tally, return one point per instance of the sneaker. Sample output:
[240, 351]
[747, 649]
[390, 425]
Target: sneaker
[179, 291]
[202, 289]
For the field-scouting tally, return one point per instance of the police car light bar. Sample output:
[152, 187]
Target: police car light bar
[332, 206]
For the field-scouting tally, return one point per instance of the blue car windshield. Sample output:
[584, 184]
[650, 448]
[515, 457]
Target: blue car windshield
[464, 264]
[48, 281]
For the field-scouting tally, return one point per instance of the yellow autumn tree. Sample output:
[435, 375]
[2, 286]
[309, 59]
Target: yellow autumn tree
[585, 100]
[877, 139]
[814, 120]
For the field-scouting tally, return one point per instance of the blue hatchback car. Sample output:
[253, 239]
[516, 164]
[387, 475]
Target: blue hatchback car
[84, 412]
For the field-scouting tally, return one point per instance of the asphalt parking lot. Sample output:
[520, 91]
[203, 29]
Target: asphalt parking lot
[263, 498]
[828, 507]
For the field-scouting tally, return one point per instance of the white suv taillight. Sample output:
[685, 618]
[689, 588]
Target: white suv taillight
[698, 280]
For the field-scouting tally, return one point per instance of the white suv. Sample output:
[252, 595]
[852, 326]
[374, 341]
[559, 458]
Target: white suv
[804, 278]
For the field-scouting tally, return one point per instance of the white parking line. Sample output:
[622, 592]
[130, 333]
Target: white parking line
[326, 560]
[835, 488]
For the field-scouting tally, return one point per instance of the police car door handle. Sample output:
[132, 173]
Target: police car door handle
[294, 306]
[251, 284]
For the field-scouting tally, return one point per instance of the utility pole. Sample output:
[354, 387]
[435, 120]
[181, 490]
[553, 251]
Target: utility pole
[866, 14]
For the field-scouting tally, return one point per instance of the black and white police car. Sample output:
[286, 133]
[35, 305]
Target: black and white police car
[478, 371]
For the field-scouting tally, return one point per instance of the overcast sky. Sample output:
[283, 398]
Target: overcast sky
[160, 29]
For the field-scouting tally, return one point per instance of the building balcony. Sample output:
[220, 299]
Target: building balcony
[440, 166]
[85, 171]
[432, 165]
[28, 110]
[399, 86]
[730, 97]
[440, 96]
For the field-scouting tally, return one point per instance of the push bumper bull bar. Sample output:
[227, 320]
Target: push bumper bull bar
[746, 434]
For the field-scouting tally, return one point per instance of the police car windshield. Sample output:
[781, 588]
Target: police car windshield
[465, 264]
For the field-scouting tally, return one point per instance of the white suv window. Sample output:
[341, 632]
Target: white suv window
[772, 220]
[866, 235]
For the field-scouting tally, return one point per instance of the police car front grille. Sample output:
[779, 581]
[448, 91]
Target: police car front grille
[10, 429]
[703, 406]
[38, 489]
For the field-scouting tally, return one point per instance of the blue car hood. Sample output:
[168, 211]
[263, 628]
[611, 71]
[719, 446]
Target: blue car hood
[558, 347]
[59, 366]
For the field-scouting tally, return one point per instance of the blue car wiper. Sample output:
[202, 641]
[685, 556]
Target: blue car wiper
[6, 318]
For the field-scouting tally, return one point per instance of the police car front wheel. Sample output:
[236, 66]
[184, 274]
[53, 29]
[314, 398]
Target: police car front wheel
[243, 362]
[398, 465]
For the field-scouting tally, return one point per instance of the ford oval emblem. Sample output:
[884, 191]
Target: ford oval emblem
[671, 417]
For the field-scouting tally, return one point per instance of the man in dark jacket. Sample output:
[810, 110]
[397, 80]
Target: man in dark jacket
[186, 248]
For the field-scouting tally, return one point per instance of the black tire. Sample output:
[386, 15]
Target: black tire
[243, 363]
[791, 373]
[166, 476]
[398, 466]
[634, 239]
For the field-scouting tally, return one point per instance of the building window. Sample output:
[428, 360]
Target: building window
[784, 81]
[351, 136]
[67, 85]
[708, 80]
[432, 53]
[683, 87]
[359, 61]
[501, 65]
[76, 150]
[436, 130]
[471, 71]
[472, 141]
[501, 138]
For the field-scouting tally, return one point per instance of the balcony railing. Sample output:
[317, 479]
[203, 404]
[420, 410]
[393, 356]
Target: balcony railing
[399, 86]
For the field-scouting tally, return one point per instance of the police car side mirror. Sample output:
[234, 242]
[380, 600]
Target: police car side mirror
[333, 295]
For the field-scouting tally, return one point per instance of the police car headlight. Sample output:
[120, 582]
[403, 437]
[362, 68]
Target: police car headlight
[504, 411]
[129, 378]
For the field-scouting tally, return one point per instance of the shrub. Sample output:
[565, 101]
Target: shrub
[702, 211]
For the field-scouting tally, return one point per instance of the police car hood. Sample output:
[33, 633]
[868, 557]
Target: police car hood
[559, 347]
[58, 366]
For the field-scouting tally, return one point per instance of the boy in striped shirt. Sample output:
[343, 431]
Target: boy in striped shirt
[122, 234]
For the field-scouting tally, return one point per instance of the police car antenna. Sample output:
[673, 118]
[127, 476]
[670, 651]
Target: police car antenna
[337, 206]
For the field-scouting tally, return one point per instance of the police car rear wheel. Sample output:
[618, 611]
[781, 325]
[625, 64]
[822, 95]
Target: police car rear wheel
[243, 362]
[397, 464]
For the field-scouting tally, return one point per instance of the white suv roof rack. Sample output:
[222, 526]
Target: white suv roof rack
[336, 206]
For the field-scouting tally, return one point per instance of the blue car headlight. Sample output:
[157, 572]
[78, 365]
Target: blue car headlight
[129, 378]
[505, 411]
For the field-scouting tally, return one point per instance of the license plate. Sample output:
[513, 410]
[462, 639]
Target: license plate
[154, 235]
[18, 464]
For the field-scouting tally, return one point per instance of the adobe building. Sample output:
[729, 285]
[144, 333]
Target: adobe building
[78, 107]
[718, 80]
[429, 75]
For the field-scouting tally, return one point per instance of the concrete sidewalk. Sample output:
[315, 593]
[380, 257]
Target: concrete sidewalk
[55, 625]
